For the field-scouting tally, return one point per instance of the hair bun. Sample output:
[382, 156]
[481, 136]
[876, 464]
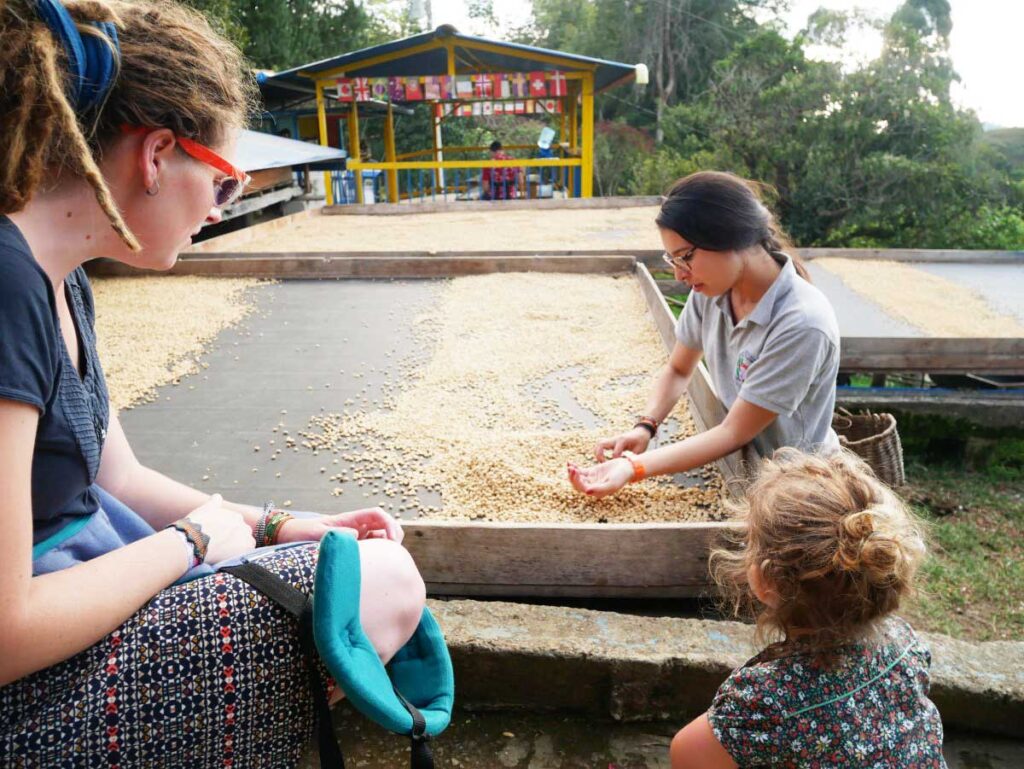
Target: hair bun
[863, 547]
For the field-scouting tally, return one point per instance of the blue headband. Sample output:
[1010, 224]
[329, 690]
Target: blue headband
[92, 63]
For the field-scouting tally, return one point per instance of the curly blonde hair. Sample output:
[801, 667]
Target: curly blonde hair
[174, 72]
[836, 545]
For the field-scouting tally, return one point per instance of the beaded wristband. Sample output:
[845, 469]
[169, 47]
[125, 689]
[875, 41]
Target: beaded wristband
[277, 519]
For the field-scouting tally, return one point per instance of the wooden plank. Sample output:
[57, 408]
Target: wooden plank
[224, 244]
[933, 354]
[329, 266]
[527, 559]
[916, 255]
[705, 407]
[496, 206]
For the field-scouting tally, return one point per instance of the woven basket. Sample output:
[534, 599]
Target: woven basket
[875, 439]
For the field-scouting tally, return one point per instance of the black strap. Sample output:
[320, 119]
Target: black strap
[299, 605]
[420, 755]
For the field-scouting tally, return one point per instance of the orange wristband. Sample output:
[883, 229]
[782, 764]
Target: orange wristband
[639, 471]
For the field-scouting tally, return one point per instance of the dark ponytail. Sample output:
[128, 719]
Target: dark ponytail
[720, 211]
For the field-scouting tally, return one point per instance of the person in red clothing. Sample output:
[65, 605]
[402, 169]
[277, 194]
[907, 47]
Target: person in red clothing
[500, 183]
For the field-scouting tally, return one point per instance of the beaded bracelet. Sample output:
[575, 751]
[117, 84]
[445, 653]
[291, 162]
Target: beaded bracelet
[278, 519]
[269, 525]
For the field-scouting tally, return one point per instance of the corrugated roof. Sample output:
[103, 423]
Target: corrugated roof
[427, 56]
[257, 151]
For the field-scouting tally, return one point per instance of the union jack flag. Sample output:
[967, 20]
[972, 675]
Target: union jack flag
[361, 88]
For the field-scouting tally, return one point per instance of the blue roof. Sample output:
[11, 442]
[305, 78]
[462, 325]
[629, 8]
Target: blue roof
[470, 58]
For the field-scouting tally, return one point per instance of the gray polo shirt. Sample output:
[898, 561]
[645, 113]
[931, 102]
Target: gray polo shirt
[784, 357]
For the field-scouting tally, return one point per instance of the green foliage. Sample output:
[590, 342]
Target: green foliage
[1008, 146]
[876, 156]
[287, 33]
[616, 146]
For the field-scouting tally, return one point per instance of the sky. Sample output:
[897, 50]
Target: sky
[985, 45]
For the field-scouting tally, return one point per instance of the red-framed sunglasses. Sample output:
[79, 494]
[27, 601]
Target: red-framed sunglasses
[227, 189]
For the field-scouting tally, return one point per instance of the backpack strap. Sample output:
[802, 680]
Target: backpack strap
[299, 605]
[420, 755]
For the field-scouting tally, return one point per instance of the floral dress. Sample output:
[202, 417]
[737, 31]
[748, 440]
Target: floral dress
[865, 706]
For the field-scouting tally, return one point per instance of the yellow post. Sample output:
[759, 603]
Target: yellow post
[389, 155]
[574, 143]
[587, 173]
[353, 149]
[449, 49]
[321, 115]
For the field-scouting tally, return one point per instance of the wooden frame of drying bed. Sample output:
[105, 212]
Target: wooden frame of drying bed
[475, 558]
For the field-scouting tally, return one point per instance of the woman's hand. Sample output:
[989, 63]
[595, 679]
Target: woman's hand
[603, 479]
[229, 534]
[636, 440]
[370, 523]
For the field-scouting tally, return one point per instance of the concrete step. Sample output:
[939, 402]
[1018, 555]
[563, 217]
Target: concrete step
[634, 668]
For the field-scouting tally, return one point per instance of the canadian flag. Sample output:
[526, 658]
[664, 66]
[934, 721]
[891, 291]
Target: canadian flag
[361, 88]
[344, 89]
[482, 86]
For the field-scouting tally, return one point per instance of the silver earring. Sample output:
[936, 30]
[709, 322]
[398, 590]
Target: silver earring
[154, 190]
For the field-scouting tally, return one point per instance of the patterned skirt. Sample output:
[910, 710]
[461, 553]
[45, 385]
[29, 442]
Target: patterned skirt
[207, 674]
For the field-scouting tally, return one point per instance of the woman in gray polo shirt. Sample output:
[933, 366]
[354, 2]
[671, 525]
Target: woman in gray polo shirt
[769, 338]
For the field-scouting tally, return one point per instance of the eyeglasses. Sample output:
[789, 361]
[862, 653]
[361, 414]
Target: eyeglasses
[680, 262]
[227, 189]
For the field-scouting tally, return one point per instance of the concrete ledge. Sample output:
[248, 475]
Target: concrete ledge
[546, 658]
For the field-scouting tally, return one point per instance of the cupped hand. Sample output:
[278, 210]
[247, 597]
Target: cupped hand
[371, 523]
[636, 440]
[603, 479]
